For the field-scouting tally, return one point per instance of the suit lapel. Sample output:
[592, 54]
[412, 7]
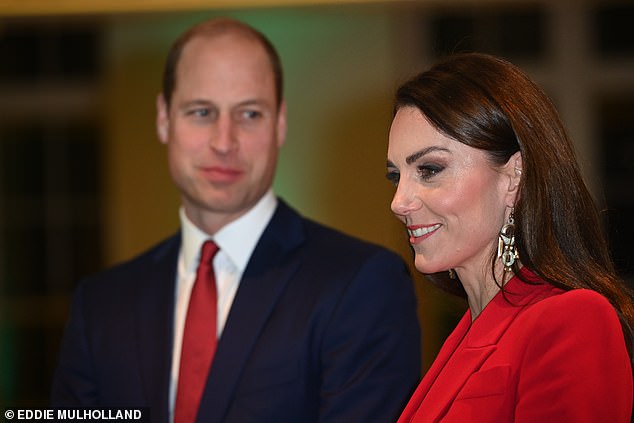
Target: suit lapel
[155, 326]
[262, 284]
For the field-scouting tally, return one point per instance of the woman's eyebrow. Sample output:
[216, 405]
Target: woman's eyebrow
[412, 158]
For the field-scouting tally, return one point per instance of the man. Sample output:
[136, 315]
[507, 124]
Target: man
[310, 324]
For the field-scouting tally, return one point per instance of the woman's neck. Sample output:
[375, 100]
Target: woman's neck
[481, 287]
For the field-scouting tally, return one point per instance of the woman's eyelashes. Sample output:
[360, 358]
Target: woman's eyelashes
[393, 176]
[429, 170]
[424, 172]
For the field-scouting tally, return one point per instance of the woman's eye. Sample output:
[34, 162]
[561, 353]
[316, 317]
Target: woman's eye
[427, 171]
[393, 176]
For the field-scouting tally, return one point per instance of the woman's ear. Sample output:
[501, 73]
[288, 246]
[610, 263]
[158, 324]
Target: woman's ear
[513, 169]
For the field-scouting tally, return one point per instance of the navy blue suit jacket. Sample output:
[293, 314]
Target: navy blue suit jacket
[323, 328]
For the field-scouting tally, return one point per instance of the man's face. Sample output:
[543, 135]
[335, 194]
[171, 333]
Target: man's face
[223, 128]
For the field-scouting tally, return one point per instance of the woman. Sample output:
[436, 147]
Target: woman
[495, 208]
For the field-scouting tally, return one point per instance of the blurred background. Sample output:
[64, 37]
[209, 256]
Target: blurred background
[84, 182]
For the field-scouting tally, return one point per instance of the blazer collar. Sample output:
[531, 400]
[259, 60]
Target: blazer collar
[488, 328]
[264, 280]
[471, 343]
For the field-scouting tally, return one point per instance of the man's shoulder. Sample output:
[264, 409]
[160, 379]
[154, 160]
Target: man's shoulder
[320, 230]
[337, 243]
[331, 240]
[167, 249]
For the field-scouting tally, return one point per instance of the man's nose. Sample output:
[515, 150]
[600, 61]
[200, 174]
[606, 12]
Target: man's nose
[224, 138]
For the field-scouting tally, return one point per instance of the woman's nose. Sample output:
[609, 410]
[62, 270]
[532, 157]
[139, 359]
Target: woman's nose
[406, 200]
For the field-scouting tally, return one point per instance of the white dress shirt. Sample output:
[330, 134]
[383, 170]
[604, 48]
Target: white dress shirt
[237, 240]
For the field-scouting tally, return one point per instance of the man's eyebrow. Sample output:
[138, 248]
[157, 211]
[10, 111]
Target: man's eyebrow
[252, 101]
[258, 102]
[412, 158]
[195, 102]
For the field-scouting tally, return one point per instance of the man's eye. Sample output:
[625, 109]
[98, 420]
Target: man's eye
[251, 114]
[393, 176]
[200, 112]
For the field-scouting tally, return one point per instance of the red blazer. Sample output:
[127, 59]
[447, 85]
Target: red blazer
[540, 355]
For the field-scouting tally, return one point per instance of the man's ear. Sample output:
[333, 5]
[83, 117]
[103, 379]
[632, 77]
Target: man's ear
[281, 124]
[162, 119]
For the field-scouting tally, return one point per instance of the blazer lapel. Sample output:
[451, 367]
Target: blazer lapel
[155, 327]
[450, 345]
[452, 377]
[458, 360]
[264, 280]
[466, 360]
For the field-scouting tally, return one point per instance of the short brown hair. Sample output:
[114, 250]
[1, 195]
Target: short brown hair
[216, 27]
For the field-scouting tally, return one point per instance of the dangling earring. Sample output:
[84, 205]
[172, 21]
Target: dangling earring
[452, 274]
[506, 244]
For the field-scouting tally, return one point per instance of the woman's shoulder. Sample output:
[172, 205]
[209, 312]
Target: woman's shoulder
[540, 295]
[585, 300]
[583, 309]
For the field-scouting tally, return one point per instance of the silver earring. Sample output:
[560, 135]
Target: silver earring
[452, 274]
[506, 244]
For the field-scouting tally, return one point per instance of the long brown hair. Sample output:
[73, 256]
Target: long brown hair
[488, 103]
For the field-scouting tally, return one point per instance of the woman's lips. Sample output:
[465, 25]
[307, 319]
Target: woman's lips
[419, 232]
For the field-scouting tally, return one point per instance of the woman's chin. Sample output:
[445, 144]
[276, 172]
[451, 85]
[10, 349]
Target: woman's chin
[427, 268]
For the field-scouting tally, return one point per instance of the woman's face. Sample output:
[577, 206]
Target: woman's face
[449, 195]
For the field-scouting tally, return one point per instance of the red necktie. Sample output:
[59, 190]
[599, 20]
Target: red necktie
[199, 338]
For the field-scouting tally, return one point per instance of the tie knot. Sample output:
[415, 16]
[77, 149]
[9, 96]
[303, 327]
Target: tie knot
[209, 250]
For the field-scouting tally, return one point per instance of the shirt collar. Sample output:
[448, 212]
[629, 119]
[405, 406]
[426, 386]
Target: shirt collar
[237, 239]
